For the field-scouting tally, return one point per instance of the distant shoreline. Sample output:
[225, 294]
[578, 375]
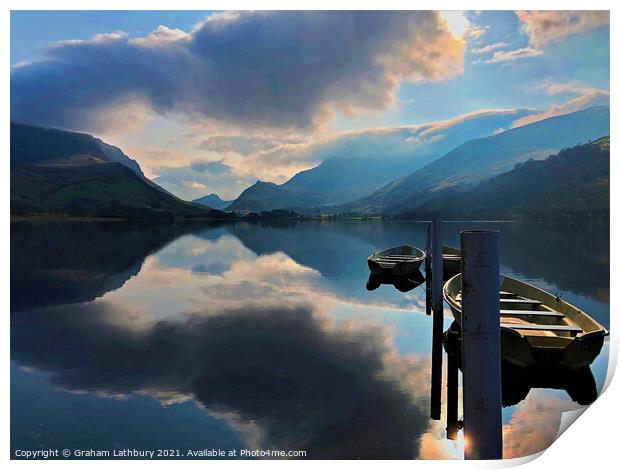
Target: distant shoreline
[60, 218]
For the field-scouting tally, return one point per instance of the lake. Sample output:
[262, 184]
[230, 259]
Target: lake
[261, 337]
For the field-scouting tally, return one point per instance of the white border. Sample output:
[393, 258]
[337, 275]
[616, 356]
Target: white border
[592, 442]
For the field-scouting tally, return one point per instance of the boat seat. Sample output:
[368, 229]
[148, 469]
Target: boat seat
[532, 313]
[531, 327]
[521, 301]
[507, 294]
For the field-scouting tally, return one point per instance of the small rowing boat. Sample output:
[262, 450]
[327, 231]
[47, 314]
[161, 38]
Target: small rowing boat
[538, 328]
[397, 261]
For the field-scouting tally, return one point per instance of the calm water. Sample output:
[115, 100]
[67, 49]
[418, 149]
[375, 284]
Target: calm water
[260, 336]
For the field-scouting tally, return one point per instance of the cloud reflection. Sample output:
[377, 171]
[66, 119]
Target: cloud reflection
[285, 375]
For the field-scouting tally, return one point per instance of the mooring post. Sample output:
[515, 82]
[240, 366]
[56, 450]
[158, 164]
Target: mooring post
[427, 269]
[482, 380]
[437, 301]
[452, 345]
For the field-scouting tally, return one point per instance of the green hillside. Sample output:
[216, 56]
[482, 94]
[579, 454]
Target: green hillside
[60, 173]
[573, 182]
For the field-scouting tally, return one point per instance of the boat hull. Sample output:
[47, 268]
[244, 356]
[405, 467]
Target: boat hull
[404, 260]
[525, 350]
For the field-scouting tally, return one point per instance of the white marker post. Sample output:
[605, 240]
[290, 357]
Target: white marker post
[482, 378]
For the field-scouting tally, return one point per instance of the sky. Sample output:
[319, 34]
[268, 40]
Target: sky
[212, 101]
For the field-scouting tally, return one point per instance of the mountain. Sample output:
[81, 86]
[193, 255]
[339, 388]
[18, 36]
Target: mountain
[355, 164]
[262, 196]
[213, 201]
[56, 172]
[480, 159]
[573, 182]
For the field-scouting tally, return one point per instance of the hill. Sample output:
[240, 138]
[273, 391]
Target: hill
[61, 173]
[573, 182]
[480, 159]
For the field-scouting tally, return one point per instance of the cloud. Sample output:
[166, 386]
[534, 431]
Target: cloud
[585, 96]
[278, 69]
[475, 32]
[488, 48]
[545, 27]
[435, 127]
[509, 56]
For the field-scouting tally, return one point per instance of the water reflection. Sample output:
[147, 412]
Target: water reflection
[288, 376]
[403, 283]
[59, 263]
[268, 328]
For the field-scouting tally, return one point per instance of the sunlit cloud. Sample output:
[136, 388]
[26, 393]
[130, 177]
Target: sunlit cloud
[516, 54]
[488, 48]
[534, 425]
[545, 27]
[458, 24]
[585, 96]
[475, 32]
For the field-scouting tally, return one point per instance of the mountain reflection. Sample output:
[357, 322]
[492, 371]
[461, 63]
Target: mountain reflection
[58, 263]
[294, 379]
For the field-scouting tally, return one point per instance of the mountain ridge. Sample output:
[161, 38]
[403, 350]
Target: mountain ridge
[477, 160]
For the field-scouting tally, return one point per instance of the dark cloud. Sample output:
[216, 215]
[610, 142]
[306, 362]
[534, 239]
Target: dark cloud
[297, 380]
[261, 69]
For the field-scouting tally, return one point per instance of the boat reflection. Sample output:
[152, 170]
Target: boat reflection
[517, 382]
[403, 283]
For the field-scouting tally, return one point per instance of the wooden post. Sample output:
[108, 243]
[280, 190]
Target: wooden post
[453, 425]
[437, 269]
[437, 301]
[482, 379]
[427, 270]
